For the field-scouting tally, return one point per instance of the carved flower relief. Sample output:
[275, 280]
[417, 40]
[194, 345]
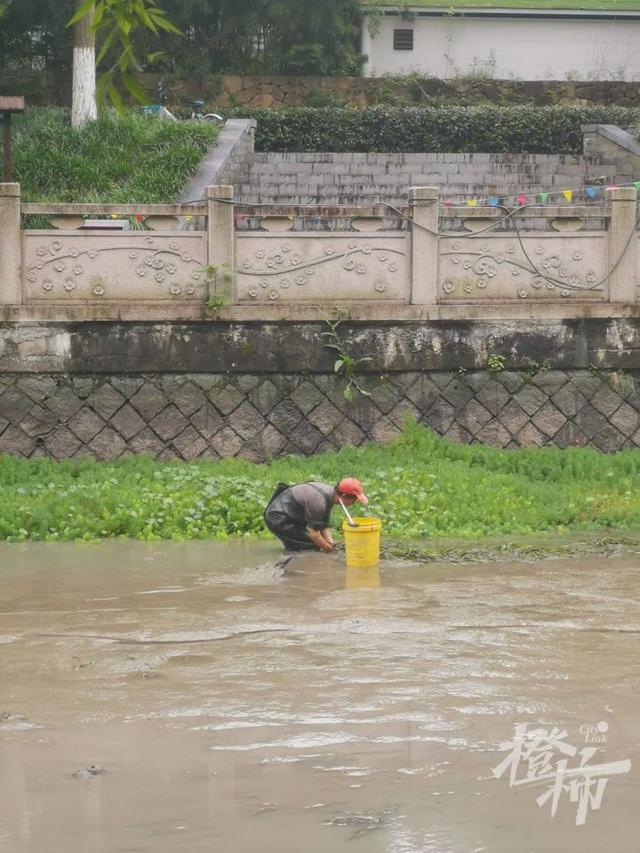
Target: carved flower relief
[285, 249]
[522, 293]
[467, 288]
[171, 268]
[577, 256]
[55, 247]
[159, 277]
[300, 280]
[278, 259]
[550, 285]
[310, 271]
[284, 283]
[466, 265]
[141, 270]
[381, 287]
[31, 277]
[455, 246]
[77, 269]
[448, 286]
[554, 261]
[69, 284]
[351, 244]
[40, 265]
[537, 282]
[563, 274]
[148, 262]
[566, 293]
[59, 266]
[366, 249]
[573, 280]
[253, 293]
[328, 250]
[98, 290]
[186, 257]
[273, 294]
[175, 289]
[348, 264]
[393, 267]
[47, 284]
[259, 254]
[157, 264]
[591, 276]
[481, 283]
[383, 257]
[539, 250]
[509, 248]
[247, 265]
[484, 249]
[173, 246]
[361, 269]
[74, 252]
[263, 283]
[515, 271]
[41, 251]
[195, 275]
[92, 253]
[270, 263]
[295, 260]
[190, 289]
[133, 255]
[150, 241]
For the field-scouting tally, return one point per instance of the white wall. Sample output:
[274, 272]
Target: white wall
[528, 49]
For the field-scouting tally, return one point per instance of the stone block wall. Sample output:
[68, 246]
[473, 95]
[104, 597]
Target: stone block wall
[257, 391]
[258, 417]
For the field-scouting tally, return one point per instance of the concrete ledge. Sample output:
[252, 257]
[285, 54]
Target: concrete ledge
[218, 158]
[299, 348]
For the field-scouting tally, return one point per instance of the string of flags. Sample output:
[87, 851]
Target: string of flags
[591, 192]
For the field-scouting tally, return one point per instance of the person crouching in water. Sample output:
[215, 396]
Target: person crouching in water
[300, 515]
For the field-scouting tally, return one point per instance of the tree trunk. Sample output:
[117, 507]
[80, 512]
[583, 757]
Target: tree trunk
[83, 104]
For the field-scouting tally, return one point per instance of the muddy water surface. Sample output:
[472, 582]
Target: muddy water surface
[224, 707]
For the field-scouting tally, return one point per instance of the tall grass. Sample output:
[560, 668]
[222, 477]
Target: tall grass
[421, 485]
[130, 159]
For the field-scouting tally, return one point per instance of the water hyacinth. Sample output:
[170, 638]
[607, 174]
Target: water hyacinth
[420, 485]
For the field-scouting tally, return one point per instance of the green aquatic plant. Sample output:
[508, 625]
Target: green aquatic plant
[420, 485]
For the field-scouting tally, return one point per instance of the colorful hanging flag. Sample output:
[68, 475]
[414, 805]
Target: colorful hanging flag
[591, 192]
[544, 198]
[568, 194]
[522, 199]
[472, 202]
[493, 201]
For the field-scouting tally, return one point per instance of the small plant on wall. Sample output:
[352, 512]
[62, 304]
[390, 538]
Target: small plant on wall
[346, 364]
[219, 287]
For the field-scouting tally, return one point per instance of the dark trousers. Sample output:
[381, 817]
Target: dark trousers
[293, 536]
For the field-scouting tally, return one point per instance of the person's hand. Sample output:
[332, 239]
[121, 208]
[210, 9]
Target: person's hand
[327, 548]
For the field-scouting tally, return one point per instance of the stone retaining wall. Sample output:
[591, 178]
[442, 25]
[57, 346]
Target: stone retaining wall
[258, 417]
[229, 90]
[262, 390]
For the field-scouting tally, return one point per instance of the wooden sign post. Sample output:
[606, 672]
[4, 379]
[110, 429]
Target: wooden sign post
[8, 106]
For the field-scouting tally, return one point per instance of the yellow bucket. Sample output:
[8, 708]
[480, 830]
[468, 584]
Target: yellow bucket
[362, 543]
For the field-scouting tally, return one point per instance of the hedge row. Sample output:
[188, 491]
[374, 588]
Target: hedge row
[486, 128]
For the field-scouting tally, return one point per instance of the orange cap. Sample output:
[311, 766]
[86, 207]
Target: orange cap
[351, 486]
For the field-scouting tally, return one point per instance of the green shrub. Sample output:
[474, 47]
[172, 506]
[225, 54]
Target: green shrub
[485, 128]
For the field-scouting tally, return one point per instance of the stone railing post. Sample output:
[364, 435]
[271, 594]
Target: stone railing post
[423, 209]
[220, 243]
[10, 245]
[622, 244]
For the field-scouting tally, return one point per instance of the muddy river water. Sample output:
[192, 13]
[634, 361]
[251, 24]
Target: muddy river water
[180, 698]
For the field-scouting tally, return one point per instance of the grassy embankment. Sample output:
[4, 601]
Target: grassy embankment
[421, 486]
[133, 159]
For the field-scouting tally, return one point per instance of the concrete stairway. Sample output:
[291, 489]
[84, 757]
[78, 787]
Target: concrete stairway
[351, 179]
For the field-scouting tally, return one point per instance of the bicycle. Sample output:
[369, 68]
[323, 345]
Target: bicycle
[159, 109]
